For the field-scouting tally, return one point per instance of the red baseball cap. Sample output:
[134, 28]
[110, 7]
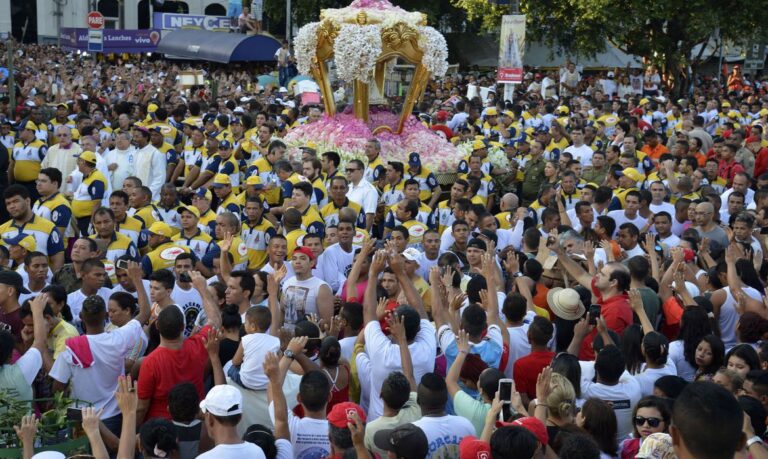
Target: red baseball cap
[472, 447]
[341, 414]
[306, 251]
[532, 424]
[442, 115]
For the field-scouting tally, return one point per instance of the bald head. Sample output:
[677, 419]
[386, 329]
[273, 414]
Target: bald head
[509, 202]
[704, 213]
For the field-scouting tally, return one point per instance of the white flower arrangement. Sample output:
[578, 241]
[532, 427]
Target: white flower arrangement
[305, 45]
[356, 50]
[498, 157]
[435, 49]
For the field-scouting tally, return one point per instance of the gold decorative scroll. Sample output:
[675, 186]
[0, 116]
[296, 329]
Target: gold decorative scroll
[398, 41]
[418, 85]
[398, 35]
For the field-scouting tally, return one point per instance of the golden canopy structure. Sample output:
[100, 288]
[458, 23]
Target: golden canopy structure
[362, 39]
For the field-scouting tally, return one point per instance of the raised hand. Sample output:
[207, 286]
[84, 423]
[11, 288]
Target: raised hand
[378, 263]
[212, 342]
[589, 250]
[226, 243]
[126, 395]
[650, 243]
[298, 344]
[271, 366]
[381, 307]
[457, 301]
[678, 255]
[135, 273]
[198, 281]
[91, 419]
[512, 263]
[273, 285]
[543, 388]
[28, 429]
[356, 428]
[462, 341]
[397, 328]
[635, 299]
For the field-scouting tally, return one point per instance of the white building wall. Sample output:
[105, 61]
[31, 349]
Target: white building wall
[74, 14]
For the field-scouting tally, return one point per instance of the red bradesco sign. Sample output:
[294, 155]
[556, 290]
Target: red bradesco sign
[95, 20]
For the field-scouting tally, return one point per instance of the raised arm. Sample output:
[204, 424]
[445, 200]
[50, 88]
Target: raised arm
[273, 300]
[439, 299]
[369, 300]
[40, 326]
[650, 248]
[571, 267]
[212, 311]
[734, 283]
[212, 344]
[452, 378]
[128, 401]
[275, 392]
[135, 274]
[665, 285]
[397, 329]
[636, 301]
[354, 273]
[580, 331]
[397, 263]
[225, 267]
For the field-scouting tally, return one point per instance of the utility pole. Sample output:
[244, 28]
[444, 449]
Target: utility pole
[288, 20]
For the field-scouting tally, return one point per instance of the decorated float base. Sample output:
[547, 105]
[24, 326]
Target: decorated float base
[347, 135]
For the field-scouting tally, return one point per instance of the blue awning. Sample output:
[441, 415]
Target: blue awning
[218, 46]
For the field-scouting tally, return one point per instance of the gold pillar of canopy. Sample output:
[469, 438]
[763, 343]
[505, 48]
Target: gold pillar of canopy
[398, 40]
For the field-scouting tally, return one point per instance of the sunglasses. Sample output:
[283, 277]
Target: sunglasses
[652, 422]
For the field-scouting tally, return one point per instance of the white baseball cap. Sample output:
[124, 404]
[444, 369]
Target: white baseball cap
[412, 254]
[223, 400]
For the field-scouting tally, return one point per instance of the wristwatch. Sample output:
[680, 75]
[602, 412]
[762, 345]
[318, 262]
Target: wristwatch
[289, 353]
[754, 440]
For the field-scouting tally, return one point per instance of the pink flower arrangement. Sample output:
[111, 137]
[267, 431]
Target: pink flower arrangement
[347, 135]
[375, 5]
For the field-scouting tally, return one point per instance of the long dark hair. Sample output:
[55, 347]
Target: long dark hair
[718, 354]
[651, 401]
[568, 365]
[600, 422]
[631, 348]
[746, 353]
[746, 272]
[694, 326]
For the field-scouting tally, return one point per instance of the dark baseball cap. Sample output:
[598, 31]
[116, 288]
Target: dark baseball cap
[13, 279]
[406, 441]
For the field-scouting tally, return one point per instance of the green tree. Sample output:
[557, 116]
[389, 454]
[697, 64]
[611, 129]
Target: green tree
[662, 32]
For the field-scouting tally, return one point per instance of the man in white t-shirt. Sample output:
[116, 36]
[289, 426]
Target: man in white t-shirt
[93, 276]
[336, 261]
[309, 435]
[223, 409]
[622, 393]
[582, 153]
[629, 214]
[379, 348]
[444, 432]
[304, 294]
[94, 361]
[183, 294]
[662, 223]
[658, 194]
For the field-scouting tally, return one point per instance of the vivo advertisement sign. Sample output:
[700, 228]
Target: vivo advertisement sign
[173, 21]
[114, 41]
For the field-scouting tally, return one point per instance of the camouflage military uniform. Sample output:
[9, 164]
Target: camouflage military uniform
[534, 177]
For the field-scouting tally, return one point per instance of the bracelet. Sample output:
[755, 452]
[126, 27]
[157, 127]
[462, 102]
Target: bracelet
[463, 352]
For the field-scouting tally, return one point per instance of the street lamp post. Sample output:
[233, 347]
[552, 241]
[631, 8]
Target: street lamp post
[8, 38]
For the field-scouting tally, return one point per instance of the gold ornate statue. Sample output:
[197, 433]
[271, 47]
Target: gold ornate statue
[361, 39]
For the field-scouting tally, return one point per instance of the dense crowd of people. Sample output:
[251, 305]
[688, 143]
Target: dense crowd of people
[596, 292]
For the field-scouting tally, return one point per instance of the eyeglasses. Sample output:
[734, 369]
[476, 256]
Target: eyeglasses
[652, 422]
[702, 213]
[352, 170]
